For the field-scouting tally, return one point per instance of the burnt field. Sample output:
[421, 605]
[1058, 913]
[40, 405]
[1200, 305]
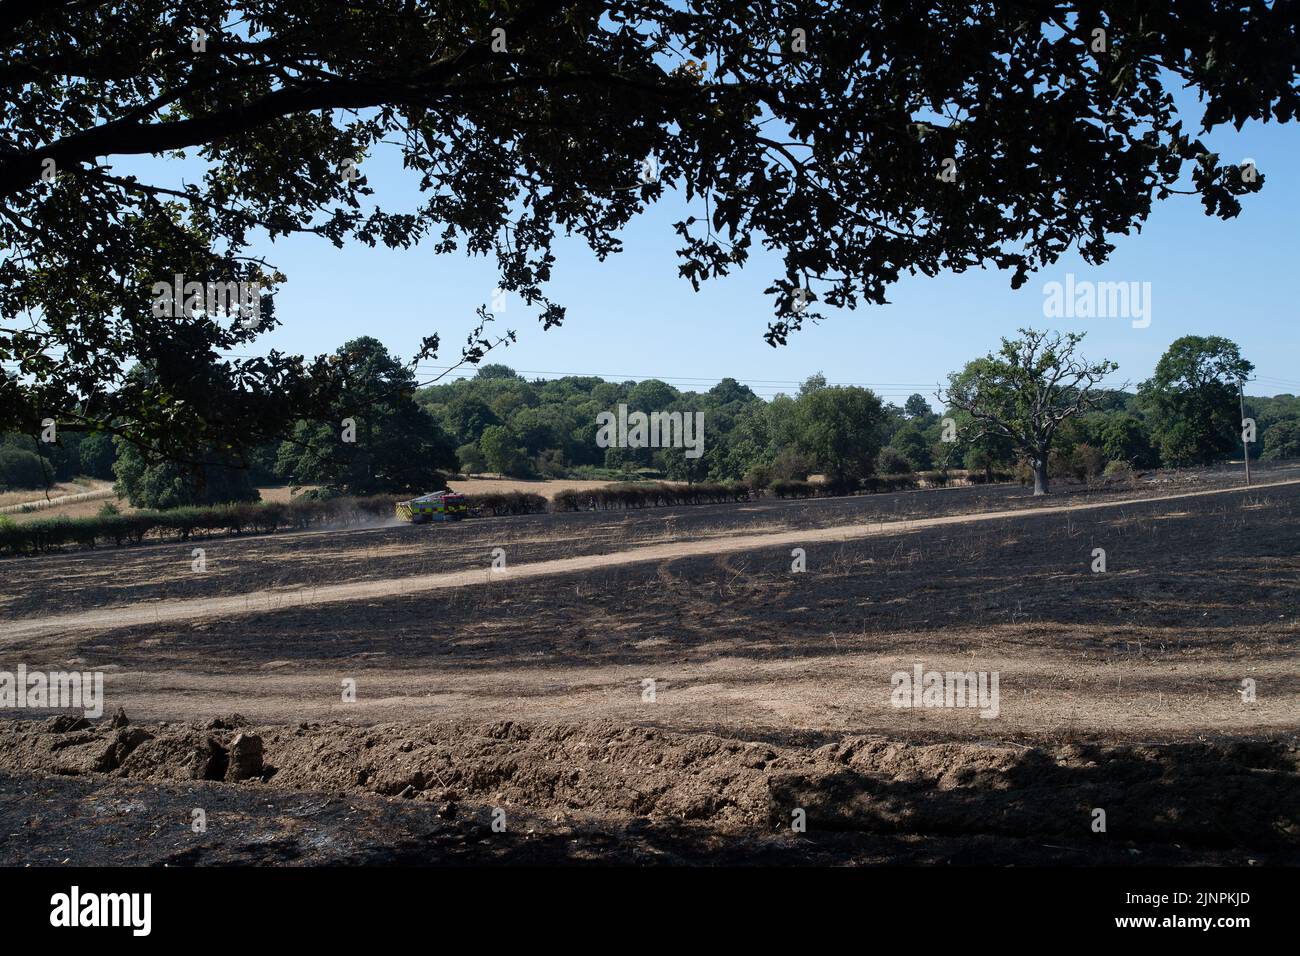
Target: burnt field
[57, 583]
[681, 708]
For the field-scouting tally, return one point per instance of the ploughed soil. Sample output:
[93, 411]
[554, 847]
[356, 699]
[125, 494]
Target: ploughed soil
[602, 792]
[683, 710]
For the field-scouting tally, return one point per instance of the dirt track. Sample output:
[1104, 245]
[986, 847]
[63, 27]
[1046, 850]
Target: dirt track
[262, 601]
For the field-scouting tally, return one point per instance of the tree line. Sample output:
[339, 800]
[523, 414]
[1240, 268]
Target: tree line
[1034, 409]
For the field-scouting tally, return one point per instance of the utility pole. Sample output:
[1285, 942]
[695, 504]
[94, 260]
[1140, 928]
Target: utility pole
[1245, 445]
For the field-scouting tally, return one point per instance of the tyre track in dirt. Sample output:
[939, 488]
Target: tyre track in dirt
[264, 601]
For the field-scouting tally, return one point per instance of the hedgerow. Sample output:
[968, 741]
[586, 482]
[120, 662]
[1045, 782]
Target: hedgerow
[300, 514]
[497, 503]
[872, 484]
[182, 524]
[649, 495]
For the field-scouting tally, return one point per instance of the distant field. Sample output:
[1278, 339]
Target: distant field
[20, 496]
[282, 492]
[84, 508]
[479, 486]
[70, 499]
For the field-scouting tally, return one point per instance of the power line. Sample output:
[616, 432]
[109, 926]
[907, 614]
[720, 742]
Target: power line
[766, 385]
[616, 377]
[767, 388]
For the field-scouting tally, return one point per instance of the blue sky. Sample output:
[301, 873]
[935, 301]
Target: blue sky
[631, 317]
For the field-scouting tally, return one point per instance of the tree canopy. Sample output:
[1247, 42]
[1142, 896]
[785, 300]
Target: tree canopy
[377, 438]
[857, 142]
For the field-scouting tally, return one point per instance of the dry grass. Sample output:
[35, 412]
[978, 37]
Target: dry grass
[72, 509]
[86, 509]
[283, 492]
[20, 496]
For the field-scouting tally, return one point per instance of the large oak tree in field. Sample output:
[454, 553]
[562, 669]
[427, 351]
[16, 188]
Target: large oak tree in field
[1025, 391]
[858, 142]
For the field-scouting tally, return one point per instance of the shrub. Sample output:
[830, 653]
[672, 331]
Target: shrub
[875, 484]
[498, 503]
[550, 464]
[1119, 470]
[650, 495]
[1022, 474]
[8, 535]
[790, 488]
[23, 469]
[891, 461]
[759, 476]
[838, 487]
[1060, 464]
[1088, 461]
[84, 532]
[791, 465]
